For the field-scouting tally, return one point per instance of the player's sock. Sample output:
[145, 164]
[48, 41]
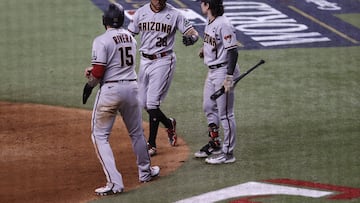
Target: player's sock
[154, 126]
[161, 117]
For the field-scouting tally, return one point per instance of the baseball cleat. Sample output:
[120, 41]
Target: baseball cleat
[202, 154]
[151, 150]
[108, 190]
[221, 159]
[172, 132]
[207, 150]
[154, 171]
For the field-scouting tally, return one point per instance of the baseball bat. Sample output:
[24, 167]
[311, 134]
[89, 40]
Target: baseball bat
[221, 91]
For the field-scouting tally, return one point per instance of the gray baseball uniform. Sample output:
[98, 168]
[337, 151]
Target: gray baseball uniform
[219, 36]
[116, 50]
[157, 65]
[157, 29]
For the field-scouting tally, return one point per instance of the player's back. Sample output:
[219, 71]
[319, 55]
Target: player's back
[116, 49]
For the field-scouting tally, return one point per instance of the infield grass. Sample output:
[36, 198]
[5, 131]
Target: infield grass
[298, 115]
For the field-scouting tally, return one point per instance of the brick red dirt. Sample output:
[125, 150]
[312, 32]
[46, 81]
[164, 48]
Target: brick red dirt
[46, 154]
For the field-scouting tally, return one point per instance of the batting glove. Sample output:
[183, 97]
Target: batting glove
[189, 39]
[228, 82]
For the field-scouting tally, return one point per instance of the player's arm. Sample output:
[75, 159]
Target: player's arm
[94, 74]
[229, 41]
[191, 31]
[232, 60]
[190, 37]
[133, 27]
[232, 55]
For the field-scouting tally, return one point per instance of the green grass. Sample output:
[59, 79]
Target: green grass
[352, 18]
[297, 115]
[45, 48]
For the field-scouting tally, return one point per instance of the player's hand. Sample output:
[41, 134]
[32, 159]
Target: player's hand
[228, 82]
[88, 72]
[189, 39]
[201, 52]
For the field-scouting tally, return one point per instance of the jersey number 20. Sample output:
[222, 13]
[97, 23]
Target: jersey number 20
[126, 56]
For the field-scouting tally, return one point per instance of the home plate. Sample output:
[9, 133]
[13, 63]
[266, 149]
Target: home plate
[254, 189]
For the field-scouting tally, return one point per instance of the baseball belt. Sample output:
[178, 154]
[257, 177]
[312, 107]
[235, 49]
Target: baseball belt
[217, 66]
[156, 56]
[115, 81]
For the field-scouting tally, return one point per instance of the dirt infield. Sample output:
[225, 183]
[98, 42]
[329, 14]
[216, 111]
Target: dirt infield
[46, 154]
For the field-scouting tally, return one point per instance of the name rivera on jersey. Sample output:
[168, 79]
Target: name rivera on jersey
[155, 26]
[122, 38]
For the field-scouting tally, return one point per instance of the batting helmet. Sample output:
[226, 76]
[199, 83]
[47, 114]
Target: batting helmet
[216, 6]
[114, 16]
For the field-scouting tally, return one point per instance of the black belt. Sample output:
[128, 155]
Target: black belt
[217, 66]
[156, 56]
[115, 81]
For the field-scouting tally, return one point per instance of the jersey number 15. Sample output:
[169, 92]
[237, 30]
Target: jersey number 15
[126, 57]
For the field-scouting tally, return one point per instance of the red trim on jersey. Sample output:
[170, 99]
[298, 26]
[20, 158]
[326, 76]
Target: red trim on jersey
[98, 71]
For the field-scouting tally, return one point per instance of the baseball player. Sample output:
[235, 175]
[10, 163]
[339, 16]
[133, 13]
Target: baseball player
[113, 67]
[220, 56]
[157, 22]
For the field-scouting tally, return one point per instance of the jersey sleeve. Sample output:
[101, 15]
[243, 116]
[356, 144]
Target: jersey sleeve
[183, 24]
[98, 56]
[228, 36]
[132, 27]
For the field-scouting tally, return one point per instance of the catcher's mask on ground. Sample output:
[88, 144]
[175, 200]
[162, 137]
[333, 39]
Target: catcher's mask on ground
[114, 16]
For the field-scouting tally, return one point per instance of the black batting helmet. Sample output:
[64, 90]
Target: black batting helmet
[216, 6]
[114, 16]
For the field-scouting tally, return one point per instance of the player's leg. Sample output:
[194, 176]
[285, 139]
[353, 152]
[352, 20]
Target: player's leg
[227, 117]
[228, 124]
[211, 113]
[169, 123]
[159, 83]
[154, 120]
[210, 107]
[225, 105]
[155, 116]
[143, 75]
[143, 81]
[103, 117]
[131, 113]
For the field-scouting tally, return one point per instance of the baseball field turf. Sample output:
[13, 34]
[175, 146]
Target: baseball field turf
[298, 115]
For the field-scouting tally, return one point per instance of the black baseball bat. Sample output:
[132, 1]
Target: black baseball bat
[221, 91]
